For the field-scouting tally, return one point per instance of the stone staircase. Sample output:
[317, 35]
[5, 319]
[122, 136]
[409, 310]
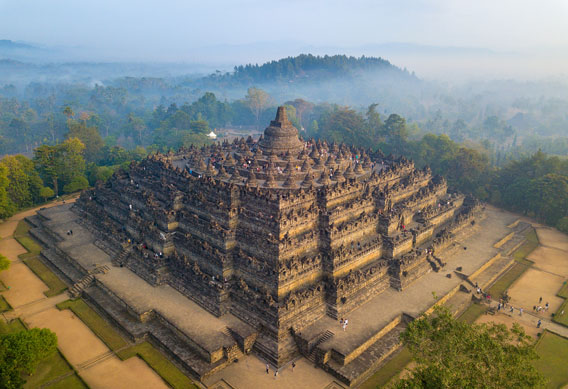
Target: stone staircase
[84, 282]
[80, 285]
[433, 264]
[120, 259]
[323, 338]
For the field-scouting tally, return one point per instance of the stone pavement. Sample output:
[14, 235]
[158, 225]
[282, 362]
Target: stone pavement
[250, 372]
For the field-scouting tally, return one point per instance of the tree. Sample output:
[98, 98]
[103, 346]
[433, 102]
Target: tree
[6, 206]
[63, 162]
[302, 106]
[4, 263]
[257, 100]
[454, 354]
[25, 182]
[46, 193]
[78, 183]
[89, 136]
[396, 133]
[20, 352]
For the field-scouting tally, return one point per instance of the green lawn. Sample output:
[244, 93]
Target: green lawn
[160, 364]
[389, 370]
[13, 326]
[21, 234]
[71, 382]
[472, 313]
[527, 247]
[560, 317]
[55, 285]
[563, 292]
[553, 352]
[97, 324]
[507, 279]
[48, 370]
[4, 306]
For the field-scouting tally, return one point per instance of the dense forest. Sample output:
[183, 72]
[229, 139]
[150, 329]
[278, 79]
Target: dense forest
[74, 134]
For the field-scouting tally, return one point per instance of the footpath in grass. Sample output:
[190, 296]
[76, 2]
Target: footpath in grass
[553, 352]
[31, 259]
[153, 357]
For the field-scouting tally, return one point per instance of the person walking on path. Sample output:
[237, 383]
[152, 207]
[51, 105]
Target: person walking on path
[520, 311]
[546, 307]
[293, 366]
[539, 323]
[267, 368]
[540, 300]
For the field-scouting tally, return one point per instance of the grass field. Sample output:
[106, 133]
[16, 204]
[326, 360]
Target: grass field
[96, 323]
[389, 370]
[472, 313]
[21, 234]
[14, 326]
[553, 352]
[561, 316]
[4, 306]
[50, 369]
[71, 382]
[160, 364]
[563, 292]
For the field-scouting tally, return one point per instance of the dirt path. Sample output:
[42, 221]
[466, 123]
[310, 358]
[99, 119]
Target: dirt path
[96, 364]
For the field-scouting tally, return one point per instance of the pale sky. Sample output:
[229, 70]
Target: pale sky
[170, 29]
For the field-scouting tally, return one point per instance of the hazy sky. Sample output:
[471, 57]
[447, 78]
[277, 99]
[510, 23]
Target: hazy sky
[170, 29]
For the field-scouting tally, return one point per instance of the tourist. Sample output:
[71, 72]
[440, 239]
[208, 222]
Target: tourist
[520, 311]
[540, 300]
[267, 368]
[512, 309]
[293, 366]
[546, 307]
[538, 324]
[275, 373]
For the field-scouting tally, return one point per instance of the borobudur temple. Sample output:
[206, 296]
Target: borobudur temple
[278, 233]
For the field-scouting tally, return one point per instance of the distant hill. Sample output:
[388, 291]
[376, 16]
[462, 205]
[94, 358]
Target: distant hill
[308, 67]
[6, 44]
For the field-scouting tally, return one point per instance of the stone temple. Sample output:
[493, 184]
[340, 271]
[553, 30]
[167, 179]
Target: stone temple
[274, 236]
